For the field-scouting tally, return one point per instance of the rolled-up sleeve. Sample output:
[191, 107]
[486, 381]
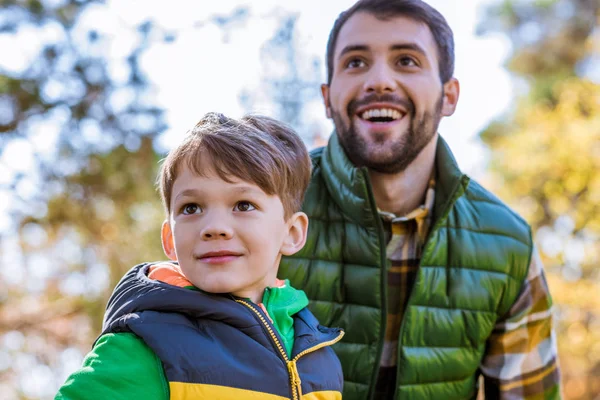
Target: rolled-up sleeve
[521, 357]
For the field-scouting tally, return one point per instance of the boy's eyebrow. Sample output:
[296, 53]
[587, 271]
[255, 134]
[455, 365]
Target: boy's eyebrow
[241, 189]
[248, 190]
[244, 189]
[186, 192]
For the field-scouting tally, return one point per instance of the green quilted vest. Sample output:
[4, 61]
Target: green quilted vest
[473, 265]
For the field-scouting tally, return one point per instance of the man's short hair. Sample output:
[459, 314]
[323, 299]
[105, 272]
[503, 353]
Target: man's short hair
[414, 9]
[255, 149]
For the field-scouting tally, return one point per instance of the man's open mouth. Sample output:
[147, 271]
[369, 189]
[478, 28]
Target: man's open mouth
[380, 115]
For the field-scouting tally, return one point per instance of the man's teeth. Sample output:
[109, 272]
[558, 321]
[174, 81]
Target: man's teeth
[381, 113]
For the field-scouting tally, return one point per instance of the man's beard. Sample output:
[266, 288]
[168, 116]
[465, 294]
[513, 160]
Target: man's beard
[401, 151]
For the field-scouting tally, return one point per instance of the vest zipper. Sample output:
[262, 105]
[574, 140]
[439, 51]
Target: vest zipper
[384, 273]
[295, 381]
[434, 228]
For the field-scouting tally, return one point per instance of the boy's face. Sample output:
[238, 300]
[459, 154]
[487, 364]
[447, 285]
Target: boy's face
[229, 237]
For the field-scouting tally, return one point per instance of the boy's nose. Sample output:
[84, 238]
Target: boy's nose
[216, 229]
[217, 232]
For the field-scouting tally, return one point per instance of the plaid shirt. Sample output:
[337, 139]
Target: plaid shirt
[520, 361]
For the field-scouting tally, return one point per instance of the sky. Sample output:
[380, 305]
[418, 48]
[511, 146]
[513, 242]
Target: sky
[200, 73]
[202, 70]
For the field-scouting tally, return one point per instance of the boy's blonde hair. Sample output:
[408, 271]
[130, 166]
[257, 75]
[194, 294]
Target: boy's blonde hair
[255, 149]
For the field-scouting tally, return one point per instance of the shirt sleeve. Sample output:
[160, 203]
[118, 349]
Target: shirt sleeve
[120, 366]
[521, 355]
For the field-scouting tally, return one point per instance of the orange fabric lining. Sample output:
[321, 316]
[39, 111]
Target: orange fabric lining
[172, 274]
[169, 273]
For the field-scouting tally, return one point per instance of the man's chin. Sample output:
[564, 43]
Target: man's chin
[381, 138]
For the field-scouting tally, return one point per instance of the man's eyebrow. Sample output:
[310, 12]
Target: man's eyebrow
[353, 47]
[408, 46]
[397, 46]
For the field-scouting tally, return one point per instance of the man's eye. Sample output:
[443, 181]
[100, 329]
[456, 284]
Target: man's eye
[244, 206]
[191, 209]
[407, 62]
[355, 63]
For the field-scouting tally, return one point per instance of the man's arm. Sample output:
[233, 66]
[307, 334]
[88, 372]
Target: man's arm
[120, 366]
[521, 356]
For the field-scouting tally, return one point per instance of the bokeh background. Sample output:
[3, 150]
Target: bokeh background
[93, 94]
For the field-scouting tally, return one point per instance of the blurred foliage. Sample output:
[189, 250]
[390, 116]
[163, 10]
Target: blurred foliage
[87, 210]
[290, 80]
[545, 161]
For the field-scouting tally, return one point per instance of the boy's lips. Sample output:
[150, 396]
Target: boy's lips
[218, 257]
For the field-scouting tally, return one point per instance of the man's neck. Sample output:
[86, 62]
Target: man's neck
[401, 193]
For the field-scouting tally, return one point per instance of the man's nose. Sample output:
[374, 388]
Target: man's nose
[380, 79]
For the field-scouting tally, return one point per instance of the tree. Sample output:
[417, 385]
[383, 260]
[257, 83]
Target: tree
[87, 209]
[77, 208]
[290, 80]
[546, 163]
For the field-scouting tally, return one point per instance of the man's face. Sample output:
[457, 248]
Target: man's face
[226, 236]
[385, 97]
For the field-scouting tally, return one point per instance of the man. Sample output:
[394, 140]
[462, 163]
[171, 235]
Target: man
[435, 281]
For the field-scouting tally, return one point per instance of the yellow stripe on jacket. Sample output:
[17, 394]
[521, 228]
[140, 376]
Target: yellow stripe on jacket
[184, 391]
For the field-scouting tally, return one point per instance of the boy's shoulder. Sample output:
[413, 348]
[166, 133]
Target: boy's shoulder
[112, 369]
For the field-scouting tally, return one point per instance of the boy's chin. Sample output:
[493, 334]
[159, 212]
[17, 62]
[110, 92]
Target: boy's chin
[218, 288]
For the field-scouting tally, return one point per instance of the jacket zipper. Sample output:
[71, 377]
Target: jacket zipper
[295, 381]
[384, 272]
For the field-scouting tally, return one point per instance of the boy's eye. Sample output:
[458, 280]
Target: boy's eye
[244, 206]
[191, 209]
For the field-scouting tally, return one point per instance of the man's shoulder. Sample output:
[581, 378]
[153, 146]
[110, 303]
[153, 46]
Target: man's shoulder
[495, 215]
[315, 156]
[476, 192]
[317, 194]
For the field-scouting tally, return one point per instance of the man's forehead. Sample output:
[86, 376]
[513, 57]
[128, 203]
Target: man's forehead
[366, 29]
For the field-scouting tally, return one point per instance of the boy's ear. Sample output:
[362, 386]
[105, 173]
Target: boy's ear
[166, 234]
[296, 237]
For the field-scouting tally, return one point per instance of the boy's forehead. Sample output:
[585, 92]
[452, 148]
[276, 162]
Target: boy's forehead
[187, 178]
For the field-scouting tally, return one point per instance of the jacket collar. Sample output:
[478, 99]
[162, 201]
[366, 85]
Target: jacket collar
[451, 183]
[136, 293]
[350, 187]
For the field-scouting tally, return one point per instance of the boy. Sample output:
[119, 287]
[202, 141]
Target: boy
[217, 324]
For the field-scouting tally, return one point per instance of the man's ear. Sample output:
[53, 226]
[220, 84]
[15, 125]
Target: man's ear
[451, 94]
[166, 234]
[326, 103]
[296, 236]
